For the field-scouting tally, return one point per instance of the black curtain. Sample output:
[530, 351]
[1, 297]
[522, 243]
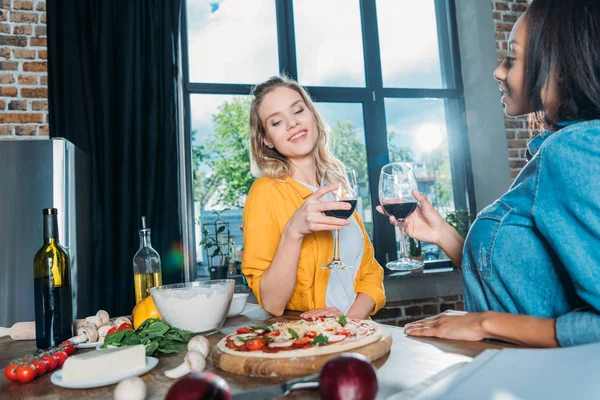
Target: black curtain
[112, 83]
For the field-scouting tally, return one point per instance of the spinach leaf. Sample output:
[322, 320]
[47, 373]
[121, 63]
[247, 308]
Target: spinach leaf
[155, 334]
[131, 340]
[114, 339]
[168, 347]
[155, 329]
[151, 348]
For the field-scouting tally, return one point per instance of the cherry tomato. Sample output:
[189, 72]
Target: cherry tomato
[40, 367]
[302, 341]
[69, 348]
[124, 326]
[60, 356]
[111, 331]
[51, 361]
[244, 330]
[256, 344]
[26, 373]
[10, 372]
[344, 332]
[274, 334]
[310, 334]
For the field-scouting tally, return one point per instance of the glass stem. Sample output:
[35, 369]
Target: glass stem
[336, 246]
[402, 243]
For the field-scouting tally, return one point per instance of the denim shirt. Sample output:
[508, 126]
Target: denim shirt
[536, 250]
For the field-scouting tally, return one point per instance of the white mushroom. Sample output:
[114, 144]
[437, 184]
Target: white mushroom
[87, 333]
[131, 389]
[103, 331]
[194, 362]
[100, 318]
[200, 345]
[107, 323]
[121, 320]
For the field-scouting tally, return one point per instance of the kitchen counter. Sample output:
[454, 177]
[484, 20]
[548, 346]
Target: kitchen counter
[410, 362]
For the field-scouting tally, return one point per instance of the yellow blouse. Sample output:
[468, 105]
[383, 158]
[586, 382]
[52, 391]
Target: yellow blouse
[269, 206]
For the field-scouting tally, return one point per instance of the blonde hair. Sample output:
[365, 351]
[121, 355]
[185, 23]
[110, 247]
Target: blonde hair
[268, 161]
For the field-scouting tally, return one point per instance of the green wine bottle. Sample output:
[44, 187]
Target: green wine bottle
[52, 287]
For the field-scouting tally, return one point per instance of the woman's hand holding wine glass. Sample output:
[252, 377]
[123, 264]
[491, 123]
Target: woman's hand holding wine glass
[311, 216]
[424, 224]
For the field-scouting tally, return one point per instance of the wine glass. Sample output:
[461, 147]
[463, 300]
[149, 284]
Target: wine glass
[347, 193]
[396, 183]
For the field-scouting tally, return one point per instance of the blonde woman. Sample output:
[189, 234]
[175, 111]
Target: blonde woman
[286, 235]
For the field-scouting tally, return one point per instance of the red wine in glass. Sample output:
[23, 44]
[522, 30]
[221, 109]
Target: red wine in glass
[400, 210]
[396, 184]
[344, 214]
[347, 192]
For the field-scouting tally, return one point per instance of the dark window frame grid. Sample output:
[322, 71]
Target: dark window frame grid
[372, 98]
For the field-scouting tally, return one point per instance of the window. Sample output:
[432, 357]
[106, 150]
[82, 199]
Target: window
[384, 75]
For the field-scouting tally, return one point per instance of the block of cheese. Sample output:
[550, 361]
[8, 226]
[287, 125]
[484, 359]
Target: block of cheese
[104, 364]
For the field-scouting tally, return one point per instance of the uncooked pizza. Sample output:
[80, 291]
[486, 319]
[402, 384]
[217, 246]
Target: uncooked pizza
[301, 338]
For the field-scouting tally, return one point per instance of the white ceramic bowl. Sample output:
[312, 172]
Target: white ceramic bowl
[237, 304]
[199, 307]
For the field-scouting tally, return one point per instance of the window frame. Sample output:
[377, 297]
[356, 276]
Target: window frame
[372, 97]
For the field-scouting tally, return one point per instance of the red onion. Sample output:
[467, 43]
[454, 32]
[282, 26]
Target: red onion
[348, 377]
[204, 386]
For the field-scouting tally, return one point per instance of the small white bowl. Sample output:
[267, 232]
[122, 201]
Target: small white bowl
[238, 303]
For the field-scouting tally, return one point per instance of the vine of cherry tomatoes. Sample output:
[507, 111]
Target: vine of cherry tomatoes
[29, 367]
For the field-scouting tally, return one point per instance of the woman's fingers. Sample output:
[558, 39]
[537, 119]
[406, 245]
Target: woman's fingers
[321, 312]
[420, 331]
[422, 199]
[329, 206]
[325, 220]
[393, 220]
[323, 191]
[325, 227]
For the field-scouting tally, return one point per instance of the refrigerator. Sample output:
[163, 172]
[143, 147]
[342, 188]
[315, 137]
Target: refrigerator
[37, 174]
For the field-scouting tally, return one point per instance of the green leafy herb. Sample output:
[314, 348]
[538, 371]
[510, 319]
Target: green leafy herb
[151, 348]
[166, 346]
[342, 320]
[319, 339]
[293, 333]
[131, 340]
[242, 339]
[268, 339]
[155, 334]
[154, 330]
[266, 328]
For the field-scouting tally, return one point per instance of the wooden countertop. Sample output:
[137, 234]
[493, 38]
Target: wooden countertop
[410, 362]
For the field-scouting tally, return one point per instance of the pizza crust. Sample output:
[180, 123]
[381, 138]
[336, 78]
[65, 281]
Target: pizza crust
[302, 353]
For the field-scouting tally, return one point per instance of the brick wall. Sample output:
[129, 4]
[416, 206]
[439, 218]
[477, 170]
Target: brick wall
[400, 313]
[23, 69]
[505, 13]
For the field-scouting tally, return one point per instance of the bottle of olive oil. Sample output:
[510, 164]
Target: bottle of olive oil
[52, 287]
[146, 266]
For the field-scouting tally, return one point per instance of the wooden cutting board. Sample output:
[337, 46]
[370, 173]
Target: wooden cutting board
[298, 366]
